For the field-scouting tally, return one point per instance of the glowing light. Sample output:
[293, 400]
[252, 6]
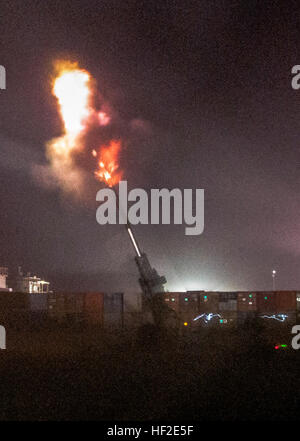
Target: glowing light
[278, 317]
[207, 317]
[185, 323]
[280, 346]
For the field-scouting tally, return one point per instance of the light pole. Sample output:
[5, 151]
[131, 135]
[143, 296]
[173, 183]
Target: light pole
[273, 277]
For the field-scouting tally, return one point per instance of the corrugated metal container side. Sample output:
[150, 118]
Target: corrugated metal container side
[172, 299]
[14, 309]
[113, 303]
[227, 301]
[13, 300]
[266, 303]
[189, 302]
[114, 310]
[231, 305]
[38, 318]
[93, 307]
[66, 306]
[285, 301]
[246, 301]
[56, 306]
[225, 296]
[74, 303]
[208, 302]
[38, 302]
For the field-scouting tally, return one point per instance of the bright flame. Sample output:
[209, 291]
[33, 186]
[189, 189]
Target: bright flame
[108, 163]
[72, 89]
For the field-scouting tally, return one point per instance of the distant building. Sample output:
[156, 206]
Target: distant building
[3, 277]
[30, 284]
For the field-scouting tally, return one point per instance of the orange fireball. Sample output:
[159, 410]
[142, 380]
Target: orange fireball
[109, 171]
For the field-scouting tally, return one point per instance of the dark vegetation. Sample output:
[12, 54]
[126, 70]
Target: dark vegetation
[207, 374]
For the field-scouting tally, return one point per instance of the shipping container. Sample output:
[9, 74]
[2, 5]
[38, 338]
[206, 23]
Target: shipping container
[285, 301]
[208, 301]
[93, 307]
[172, 299]
[56, 310]
[72, 308]
[266, 302]
[231, 305]
[114, 310]
[227, 301]
[189, 304]
[38, 302]
[13, 300]
[20, 310]
[246, 301]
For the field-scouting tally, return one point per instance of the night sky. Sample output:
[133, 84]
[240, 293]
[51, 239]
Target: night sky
[203, 98]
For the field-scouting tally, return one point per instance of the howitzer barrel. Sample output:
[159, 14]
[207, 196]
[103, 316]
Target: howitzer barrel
[133, 240]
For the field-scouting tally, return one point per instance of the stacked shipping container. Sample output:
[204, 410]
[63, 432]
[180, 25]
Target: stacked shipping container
[90, 308]
[286, 303]
[228, 307]
[233, 307]
[113, 310]
[172, 299]
[107, 309]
